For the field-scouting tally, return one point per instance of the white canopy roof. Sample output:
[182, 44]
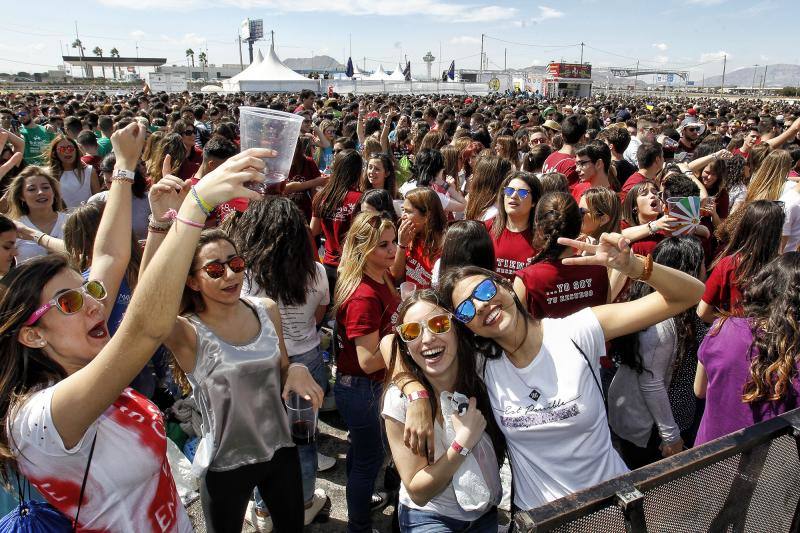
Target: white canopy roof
[397, 75]
[269, 74]
[380, 74]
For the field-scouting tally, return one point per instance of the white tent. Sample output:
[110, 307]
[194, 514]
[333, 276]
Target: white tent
[269, 75]
[397, 75]
[379, 75]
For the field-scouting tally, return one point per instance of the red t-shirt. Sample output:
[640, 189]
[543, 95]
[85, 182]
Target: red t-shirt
[191, 164]
[556, 290]
[737, 151]
[513, 251]
[564, 163]
[419, 267]
[635, 179]
[93, 161]
[371, 307]
[306, 170]
[579, 188]
[335, 228]
[721, 290]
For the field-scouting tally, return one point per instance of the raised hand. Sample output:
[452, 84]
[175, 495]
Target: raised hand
[227, 180]
[128, 144]
[612, 251]
[406, 232]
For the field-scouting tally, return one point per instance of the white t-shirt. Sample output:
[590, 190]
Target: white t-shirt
[552, 413]
[444, 503]
[29, 249]
[130, 485]
[630, 152]
[791, 206]
[140, 212]
[412, 184]
[299, 322]
[75, 191]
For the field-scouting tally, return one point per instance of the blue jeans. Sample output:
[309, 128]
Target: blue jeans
[308, 453]
[358, 400]
[416, 521]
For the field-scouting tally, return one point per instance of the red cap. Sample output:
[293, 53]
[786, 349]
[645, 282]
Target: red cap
[691, 111]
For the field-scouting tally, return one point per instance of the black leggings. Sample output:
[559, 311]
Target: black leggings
[225, 494]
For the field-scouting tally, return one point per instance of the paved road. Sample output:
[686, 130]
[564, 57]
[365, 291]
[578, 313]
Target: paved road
[332, 442]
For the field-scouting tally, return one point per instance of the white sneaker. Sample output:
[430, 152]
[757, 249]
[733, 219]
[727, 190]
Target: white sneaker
[325, 462]
[318, 501]
[262, 524]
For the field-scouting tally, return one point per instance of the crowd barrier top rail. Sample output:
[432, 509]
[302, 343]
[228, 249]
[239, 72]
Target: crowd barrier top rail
[746, 481]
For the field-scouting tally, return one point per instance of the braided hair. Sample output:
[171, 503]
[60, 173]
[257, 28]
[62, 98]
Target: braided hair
[557, 215]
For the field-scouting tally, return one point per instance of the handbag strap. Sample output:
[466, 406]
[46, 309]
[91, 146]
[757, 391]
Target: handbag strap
[83, 483]
[591, 369]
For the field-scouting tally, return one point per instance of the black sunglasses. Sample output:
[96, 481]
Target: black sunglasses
[188, 132]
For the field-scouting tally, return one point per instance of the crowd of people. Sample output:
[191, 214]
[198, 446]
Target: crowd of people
[578, 287]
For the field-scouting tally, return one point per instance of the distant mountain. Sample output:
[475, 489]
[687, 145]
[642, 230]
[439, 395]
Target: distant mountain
[318, 63]
[780, 75]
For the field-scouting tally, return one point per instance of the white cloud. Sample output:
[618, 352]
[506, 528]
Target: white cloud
[453, 12]
[714, 56]
[465, 40]
[137, 34]
[547, 13]
[660, 46]
[706, 2]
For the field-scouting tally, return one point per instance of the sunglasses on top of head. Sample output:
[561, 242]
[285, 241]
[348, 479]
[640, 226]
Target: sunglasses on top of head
[216, 269]
[483, 292]
[70, 301]
[437, 324]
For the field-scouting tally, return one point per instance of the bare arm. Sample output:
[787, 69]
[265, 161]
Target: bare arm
[368, 352]
[637, 233]
[95, 183]
[706, 312]
[387, 128]
[786, 136]
[82, 397]
[520, 290]
[16, 141]
[700, 381]
[316, 226]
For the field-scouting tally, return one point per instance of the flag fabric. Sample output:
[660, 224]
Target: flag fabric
[349, 71]
[407, 71]
[451, 73]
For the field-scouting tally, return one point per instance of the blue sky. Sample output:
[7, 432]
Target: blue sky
[679, 34]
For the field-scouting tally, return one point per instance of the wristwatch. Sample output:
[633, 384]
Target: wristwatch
[460, 450]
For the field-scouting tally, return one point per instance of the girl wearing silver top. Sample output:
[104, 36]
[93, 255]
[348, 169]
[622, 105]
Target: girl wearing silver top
[233, 353]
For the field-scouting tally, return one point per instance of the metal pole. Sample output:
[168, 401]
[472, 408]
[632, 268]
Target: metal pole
[582, 45]
[241, 59]
[724, 64]
[764, 81]
[636, 76]
[753, 84]
[481, 67]
[440, 60]
[505, 59]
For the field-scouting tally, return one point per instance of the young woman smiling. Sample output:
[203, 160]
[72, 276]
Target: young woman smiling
[78, 180]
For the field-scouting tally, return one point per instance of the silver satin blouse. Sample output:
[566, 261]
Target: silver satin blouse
[238, 391]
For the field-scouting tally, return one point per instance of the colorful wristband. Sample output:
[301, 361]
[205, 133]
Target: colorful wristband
[173, 215]
[459, 449]
[418, 395]
[204, 206]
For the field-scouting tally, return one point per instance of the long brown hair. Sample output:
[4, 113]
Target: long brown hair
[192, 300]
[557, 215]
[767, 182]
[17, 208]
[501, 220]
[772, 302]
[54, 163]
[23, 370]
[490, 171]
[346, 174]
[468, 381]
[603, 201]
[171, 144]
[426, 201]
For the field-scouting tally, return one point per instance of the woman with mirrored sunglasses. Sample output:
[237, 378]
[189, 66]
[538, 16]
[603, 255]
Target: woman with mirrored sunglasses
[542, 375]
[512, 228]
[64, 394]
[432, 347]
[231, 351]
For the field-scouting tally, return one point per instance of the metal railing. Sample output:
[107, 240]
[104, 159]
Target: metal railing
[746, 481]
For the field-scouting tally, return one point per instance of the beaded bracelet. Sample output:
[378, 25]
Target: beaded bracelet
[159, 225]
[204, 206]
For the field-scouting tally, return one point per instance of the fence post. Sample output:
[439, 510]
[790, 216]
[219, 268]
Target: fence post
[632, 503]
[523, 523]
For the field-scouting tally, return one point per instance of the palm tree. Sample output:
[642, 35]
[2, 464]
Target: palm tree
[189, 53]
[114, 53]
[99, 53]
[203, 59]
[79, 45]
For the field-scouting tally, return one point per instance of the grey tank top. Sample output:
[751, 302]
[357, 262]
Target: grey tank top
[238, 390]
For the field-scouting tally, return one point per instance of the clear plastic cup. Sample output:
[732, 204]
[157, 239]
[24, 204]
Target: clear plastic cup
[267, 128]
[407, 288]
[302, 419]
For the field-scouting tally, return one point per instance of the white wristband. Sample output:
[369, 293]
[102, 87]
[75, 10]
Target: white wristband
[301, 365]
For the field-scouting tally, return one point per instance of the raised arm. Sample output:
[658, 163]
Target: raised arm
[83, 396]
[387, 128]
[676, 291]
[786, 136]
[16, 141]
[361, 125]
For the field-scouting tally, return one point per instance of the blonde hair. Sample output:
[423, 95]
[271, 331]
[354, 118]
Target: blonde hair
[17, 208]
[767, 182]
[362, 238]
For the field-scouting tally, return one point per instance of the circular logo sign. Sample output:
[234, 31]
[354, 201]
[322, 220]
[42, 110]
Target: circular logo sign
[494, 84]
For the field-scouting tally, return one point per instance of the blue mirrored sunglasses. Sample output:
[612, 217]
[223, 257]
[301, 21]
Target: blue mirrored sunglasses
[483, 291]
[522, 193]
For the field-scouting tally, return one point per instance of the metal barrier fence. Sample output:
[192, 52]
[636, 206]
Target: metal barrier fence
[405, 87]
[746, 481]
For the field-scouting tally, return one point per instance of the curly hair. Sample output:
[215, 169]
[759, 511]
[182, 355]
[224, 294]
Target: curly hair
[772, 302]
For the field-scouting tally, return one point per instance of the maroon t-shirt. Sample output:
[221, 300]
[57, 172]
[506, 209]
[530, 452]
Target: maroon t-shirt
[564, 163]
[635, 179]
[555, 290]
[335, 228]
[93, 161]
[371, 307]
[191, 164]
[513, 251]
[306, 170]
[721, 290]
[737, 151]
[419, 267]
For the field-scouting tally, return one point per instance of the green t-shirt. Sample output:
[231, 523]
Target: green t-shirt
[103, 146]
[36, 140]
